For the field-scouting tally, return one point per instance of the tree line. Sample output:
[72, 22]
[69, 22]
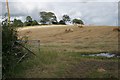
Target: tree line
[46, 18]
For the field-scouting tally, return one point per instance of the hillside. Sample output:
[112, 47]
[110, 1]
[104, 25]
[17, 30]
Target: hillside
[98, 38]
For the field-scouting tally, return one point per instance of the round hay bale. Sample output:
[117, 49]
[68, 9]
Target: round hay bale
[80, 26]
[66, 30]
[28, 32]
[101, 70]
[116, 29]
[71, 30]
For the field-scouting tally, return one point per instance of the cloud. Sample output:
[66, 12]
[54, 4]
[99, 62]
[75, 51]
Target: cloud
[119, 13]
[98, 13]
[101, 13]
[61, 0]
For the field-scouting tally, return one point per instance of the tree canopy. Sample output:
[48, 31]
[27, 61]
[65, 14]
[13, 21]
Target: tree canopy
[17, 23]
[77, 21]
[30, 22]
[62, 22]
[66, 18]
[28, 19]
[34, 23]
[47, 17]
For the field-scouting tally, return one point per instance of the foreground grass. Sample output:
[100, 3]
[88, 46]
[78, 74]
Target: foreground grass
[50, 63]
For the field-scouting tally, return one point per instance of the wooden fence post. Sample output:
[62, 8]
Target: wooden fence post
[39, 45]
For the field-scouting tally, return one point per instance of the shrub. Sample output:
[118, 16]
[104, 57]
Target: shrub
[17, 23]
[77, 21]
[9, 49]
[27, 23]
[34, 23]
[62, 22]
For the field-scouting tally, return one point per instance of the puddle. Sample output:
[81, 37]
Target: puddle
[108, 55]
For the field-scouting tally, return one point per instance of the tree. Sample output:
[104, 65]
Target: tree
[47, 17]
[77, 21]
[27, 23]
[43, 17]
[28, 19]
[17, 23]
[34, 22]
[62, 22]
[54, 22]
[66, 18]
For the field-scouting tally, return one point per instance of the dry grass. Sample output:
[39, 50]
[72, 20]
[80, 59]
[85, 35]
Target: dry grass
[86, 39]
[60, 52]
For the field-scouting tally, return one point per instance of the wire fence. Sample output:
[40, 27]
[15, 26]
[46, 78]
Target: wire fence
[32, 45]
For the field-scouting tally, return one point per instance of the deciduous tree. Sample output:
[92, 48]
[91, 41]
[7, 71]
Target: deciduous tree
[77, 21]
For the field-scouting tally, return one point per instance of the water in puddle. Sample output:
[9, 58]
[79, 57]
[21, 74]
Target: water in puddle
[109, 55]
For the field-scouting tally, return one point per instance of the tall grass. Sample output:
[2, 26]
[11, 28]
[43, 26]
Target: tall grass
[59, 64]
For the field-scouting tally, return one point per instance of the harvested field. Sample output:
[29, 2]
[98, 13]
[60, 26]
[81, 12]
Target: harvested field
[97, 38]
[60, 52]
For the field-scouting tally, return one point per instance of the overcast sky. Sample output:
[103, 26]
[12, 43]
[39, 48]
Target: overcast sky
[96, 12]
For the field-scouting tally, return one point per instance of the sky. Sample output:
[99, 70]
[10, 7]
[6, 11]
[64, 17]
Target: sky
[92, 12]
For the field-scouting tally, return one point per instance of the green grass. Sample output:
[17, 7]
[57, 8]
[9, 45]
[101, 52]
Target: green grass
[50, 63]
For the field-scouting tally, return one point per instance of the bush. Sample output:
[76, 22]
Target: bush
[17, 23]
[77, 21]
[31, 23]
[54, 22]
[62, 22]
[27, 23]
[34, 23]
[9, 49]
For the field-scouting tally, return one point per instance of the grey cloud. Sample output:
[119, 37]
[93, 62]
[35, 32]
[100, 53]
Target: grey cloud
[119, 13]
[61, 0]
[99, 13]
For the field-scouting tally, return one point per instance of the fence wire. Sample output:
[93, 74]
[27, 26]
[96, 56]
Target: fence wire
[32, 45]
